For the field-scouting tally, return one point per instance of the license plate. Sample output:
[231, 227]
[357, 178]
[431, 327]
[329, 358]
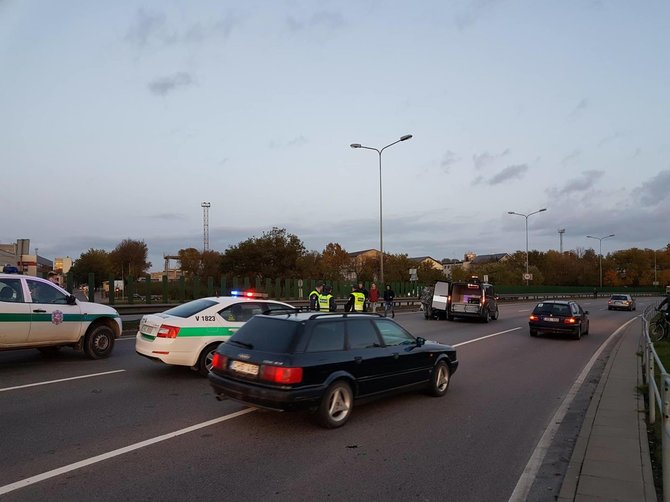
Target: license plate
[246, 368]
[551, 319]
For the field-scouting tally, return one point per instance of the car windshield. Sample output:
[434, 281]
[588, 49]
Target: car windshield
[190, 308]
[267, 334]
[552, 309]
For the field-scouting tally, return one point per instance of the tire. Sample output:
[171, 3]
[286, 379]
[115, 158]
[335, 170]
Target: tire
[578, 334]
[496, 314]
[336, 405]
[609, 308]
[428, 312]
[588, 325]
[205, 359]
[657, 330]
[533, 333]
[486, 316]
[99, 342]
[439, 383]
[49, 351]
[450, 317]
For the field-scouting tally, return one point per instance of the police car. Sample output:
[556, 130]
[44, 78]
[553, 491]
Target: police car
[188, 335]
[36, 313]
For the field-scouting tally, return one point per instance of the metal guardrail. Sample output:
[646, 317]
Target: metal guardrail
[659, 396]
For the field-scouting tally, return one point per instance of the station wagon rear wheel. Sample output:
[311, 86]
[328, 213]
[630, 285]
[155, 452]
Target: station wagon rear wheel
[336, 405]
[440, 380]
[205, 359]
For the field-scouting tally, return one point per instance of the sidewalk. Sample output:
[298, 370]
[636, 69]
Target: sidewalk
[610, 461]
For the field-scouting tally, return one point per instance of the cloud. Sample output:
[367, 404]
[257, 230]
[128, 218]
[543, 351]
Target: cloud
[147, 26]
[580, 184]
[581, 107]
[570, 157]
[448, 160]
[654, 191]
[510, 172]
[612, 137]
[484, 159]
[163, 85]
[319, 20]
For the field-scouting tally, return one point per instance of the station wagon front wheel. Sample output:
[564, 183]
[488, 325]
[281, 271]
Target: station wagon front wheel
[336, 405]
[439, 383]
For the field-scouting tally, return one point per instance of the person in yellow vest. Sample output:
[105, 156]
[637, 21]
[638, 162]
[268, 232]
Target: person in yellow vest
[314, 297]
[356, 302]
[327, 300]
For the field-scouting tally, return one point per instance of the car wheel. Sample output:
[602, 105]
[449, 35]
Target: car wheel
[49, 351]
[578, 334]
[533, 332]
[587, 328]
[428, 312]
[450, 317]
[205, 359]
[99, 342]
[439, 383]
[495, 314]
[336, 405]
[485, 317]
[609, 308]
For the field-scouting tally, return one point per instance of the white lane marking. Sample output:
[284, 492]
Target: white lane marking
[115, 453]
[528, 476]
[485, 337]
[59, 380]
[523, 310]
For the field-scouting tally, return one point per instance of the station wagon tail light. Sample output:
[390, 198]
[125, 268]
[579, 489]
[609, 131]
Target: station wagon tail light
[533, 317]
[281, 374]
[219, 362]
[570, 320]
[167, 331]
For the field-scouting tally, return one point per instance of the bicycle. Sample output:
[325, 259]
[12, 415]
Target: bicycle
[658, 327]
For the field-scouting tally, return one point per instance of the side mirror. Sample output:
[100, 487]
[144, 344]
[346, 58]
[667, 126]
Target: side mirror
[586, 311]
[71, 300]
[420, 341]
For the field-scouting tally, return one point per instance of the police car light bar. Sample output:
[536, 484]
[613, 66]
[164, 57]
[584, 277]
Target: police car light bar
[248, 294]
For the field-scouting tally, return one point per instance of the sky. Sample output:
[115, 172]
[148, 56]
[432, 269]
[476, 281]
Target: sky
[118, 119]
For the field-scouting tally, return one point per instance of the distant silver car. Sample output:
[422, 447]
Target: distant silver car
[621, 302]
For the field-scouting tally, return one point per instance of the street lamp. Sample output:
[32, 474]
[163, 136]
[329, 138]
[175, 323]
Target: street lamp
[600, 253]
[526, 216]
[381, 239]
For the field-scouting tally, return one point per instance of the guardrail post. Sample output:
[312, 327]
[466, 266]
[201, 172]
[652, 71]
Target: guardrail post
[650, 384]
[665, 442]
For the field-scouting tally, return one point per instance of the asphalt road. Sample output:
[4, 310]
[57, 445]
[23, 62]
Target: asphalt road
[126, 428]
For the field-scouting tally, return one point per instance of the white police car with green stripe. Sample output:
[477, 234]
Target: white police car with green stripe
[36, 313]
[188, 335]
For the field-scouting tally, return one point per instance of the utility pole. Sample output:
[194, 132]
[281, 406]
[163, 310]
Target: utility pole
[561, 231]
[205, 225]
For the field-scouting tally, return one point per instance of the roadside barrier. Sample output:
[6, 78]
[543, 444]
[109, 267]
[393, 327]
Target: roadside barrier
[659, 396]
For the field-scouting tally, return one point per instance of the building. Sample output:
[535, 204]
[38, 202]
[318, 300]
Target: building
[436, 264]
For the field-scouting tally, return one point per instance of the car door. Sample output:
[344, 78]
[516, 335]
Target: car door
[52, 318]
[408, 364]
[14, 314]
[368, 359]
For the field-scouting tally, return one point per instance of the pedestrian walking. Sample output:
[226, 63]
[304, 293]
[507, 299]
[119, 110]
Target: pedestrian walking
[374, 296]
[389, 296]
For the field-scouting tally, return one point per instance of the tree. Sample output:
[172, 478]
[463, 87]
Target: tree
[274, 254]
[396, 268]
[93, 260]
[190, 261]
[210, 265]
[335, 262]
[129, 258]
[427, 274]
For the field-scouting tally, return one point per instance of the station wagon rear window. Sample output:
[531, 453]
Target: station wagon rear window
[267, 335]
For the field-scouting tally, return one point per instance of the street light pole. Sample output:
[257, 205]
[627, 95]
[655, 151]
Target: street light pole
[600, 253]
[526, 217]
[381, 235]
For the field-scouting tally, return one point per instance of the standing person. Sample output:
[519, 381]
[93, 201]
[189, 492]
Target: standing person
[389, 296]
[374, 296]
[356, 301]
[53, 277]
[314, 297]
[327, 300]
[365, 292]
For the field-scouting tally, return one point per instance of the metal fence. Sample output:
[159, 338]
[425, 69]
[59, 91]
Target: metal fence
[658, 381]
